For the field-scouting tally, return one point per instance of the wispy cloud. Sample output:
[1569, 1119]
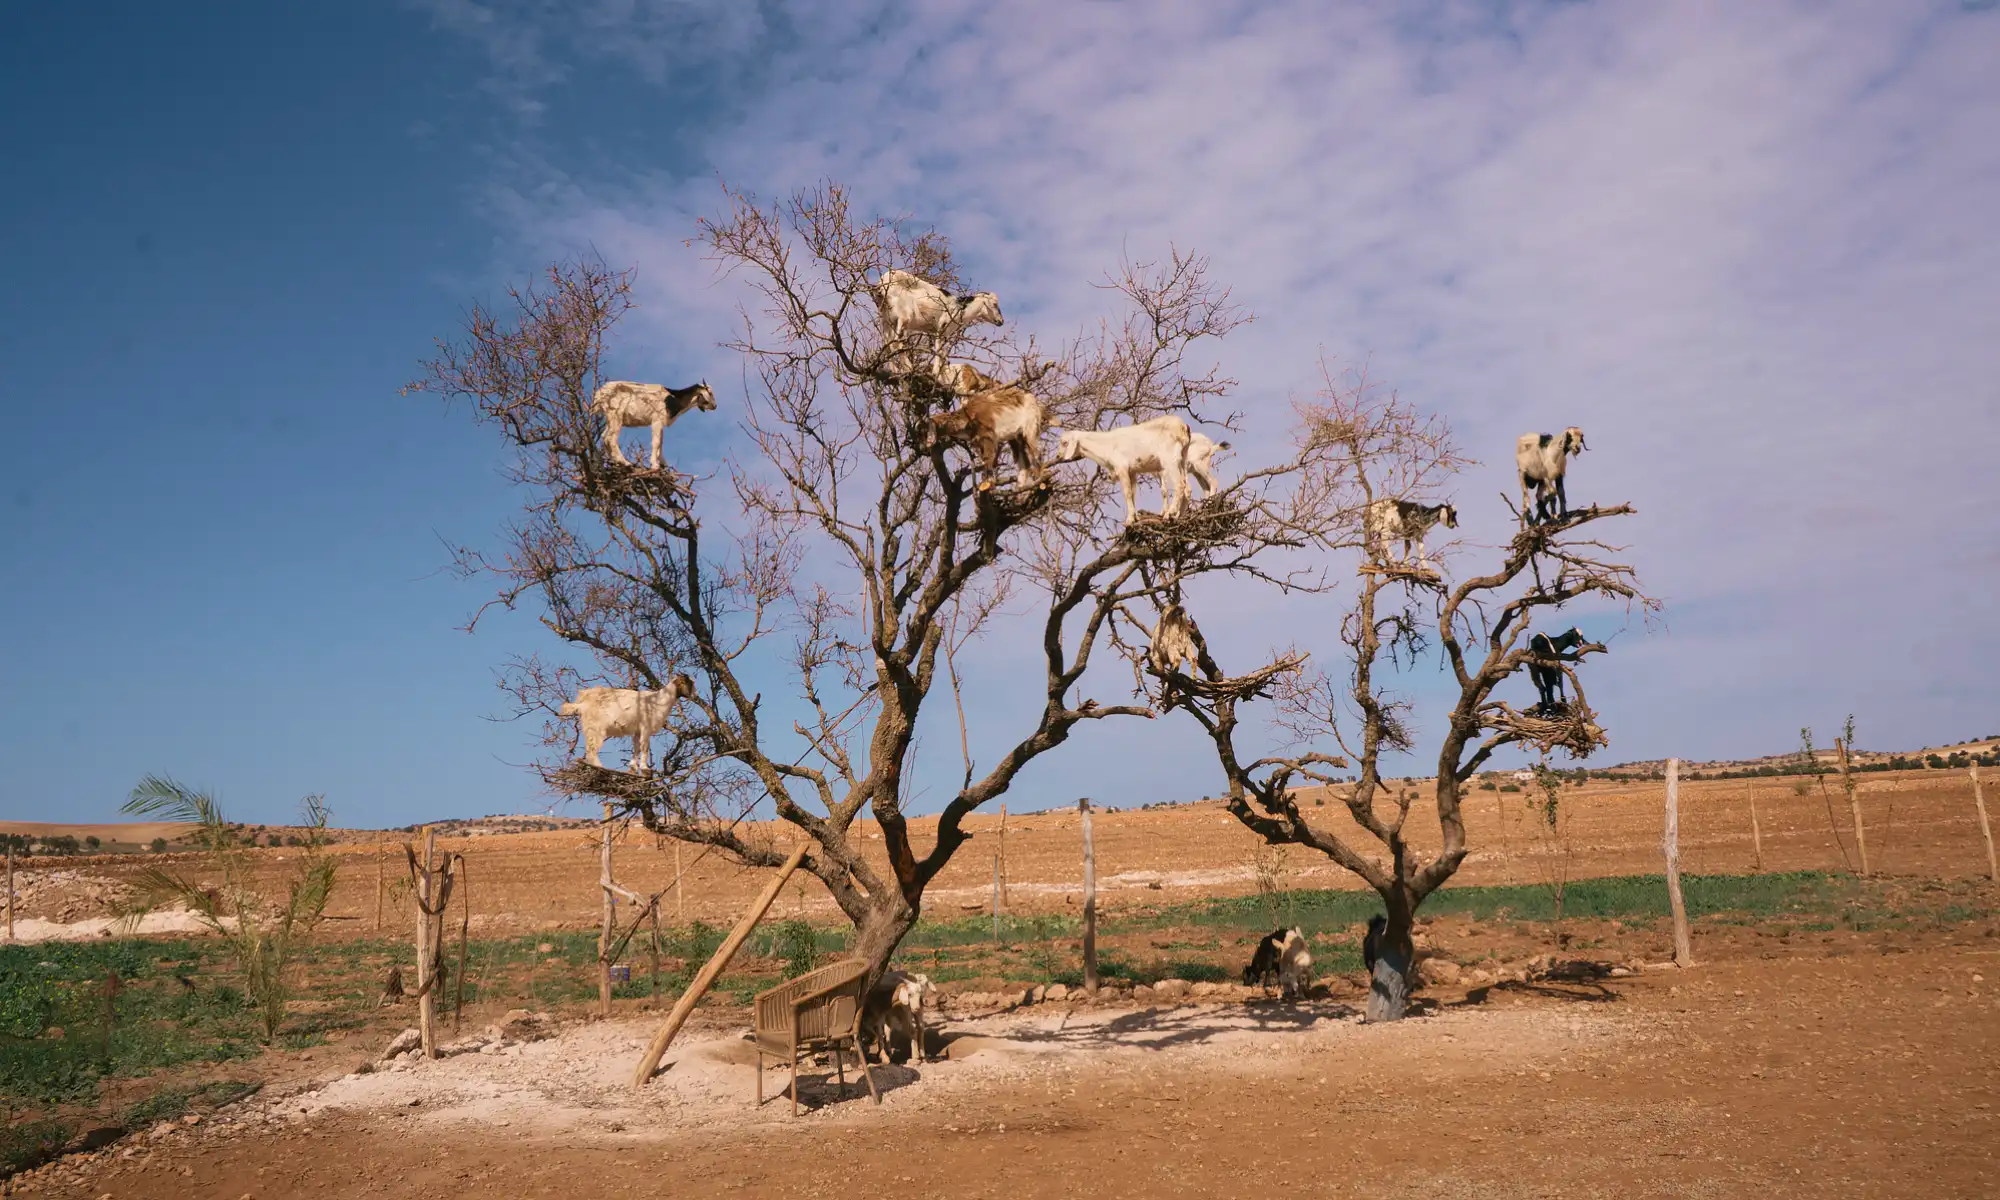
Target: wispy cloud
[1747, 246]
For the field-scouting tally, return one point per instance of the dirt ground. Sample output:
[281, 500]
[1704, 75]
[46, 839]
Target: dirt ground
[1851, 1066]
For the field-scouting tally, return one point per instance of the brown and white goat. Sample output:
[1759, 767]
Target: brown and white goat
[1007, 415]
[622, 403]
[605, 712]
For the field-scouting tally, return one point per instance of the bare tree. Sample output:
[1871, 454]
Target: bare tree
[1383, 448]
[850, 543]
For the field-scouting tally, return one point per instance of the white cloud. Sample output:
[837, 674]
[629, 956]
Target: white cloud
[1747, 246]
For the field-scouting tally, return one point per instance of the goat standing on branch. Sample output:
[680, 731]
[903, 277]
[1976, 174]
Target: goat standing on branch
[1156, 447]
[605, 712]
[1543, 460]
[910, 304]
[1008, 416]
[1545, 665]
[622, 403]
[1389, 520]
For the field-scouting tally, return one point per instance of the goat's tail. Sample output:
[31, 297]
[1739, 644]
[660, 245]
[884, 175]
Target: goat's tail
[1224, 446]
[569, 709]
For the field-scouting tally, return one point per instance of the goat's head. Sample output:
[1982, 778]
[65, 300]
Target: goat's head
[1069, 447]
[954, 426]
[980, 308]
[1448, 516]
[704, 399]
[680, 687]
[1573, 440]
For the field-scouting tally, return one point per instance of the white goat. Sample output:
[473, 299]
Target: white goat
[1388, 520]
[623, 403]
[1173, 642]
[605, 712]
[896, 1002]
[1155, 447]
[910, 304]
[1201, 460]
[1544, 459]
[1294, 966]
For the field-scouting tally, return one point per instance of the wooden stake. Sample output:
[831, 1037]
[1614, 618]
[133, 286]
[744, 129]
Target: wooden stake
[426, 951]
[1683, 952]
[1003, 854]
[680, 911]
[380, 853]
[996, 898]
[1089, 901]
[608, 910]
[10, 864]
[1756, 834]
[706, 979]
[655, 912]
[1853, 803]
[1979, 801]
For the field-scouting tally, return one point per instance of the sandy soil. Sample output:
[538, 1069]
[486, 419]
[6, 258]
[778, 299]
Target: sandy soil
[1840, 1071]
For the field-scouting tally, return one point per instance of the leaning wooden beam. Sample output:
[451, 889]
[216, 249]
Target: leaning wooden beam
[706, 979]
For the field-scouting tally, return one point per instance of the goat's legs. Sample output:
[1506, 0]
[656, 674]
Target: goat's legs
[611, 431]
[659, 427]
[592, 743]
[1562, 498]
[1130, 487]
[1173, 491]
[1206, 474]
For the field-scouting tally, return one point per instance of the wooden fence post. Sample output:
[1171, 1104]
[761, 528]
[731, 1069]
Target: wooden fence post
[426, 952]
[996, 898]
[10, 866]
[1683, 952]
[1853, 803]
[1756, 834]
[706, 979]
[380, 853]
[680, 908]
[1978, 800]
[1003, 853]
[608, 913]
[1089, 901]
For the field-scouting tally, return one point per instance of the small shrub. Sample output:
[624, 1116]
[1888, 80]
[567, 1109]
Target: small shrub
[159, 845]
[796, 942]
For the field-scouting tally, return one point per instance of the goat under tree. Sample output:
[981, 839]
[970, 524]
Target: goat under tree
[810, 596]
[1479, 624]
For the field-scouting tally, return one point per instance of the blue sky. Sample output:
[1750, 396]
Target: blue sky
[1749, 247]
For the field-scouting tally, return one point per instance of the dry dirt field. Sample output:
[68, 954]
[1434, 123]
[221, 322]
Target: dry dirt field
[1798, 1060]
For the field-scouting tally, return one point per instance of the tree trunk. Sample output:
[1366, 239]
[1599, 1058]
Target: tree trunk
[876, 939]
[1389, 986]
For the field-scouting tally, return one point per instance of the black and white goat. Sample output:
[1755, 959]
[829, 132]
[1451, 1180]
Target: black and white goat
[1371, 942]
[1546, 655]
[622, 403]
[1390, 520]
[1544, 459]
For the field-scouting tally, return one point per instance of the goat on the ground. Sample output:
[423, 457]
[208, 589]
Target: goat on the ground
[1389, 520]
[1155, 447]
[909, 304]
[896, 1005]
[1371, 942]
[607, 712]
[1543, 459]
[984, 422]
[1264, 961]
[1543, 666]
[622, 403]
[1294, 966]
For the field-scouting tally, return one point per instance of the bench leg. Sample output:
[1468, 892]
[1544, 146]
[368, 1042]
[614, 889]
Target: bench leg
[795, 1081]
[866, 1073]
[760, 1078]
[839, 1070]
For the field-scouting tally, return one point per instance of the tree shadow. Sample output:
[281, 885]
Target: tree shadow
[1164, 1028]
